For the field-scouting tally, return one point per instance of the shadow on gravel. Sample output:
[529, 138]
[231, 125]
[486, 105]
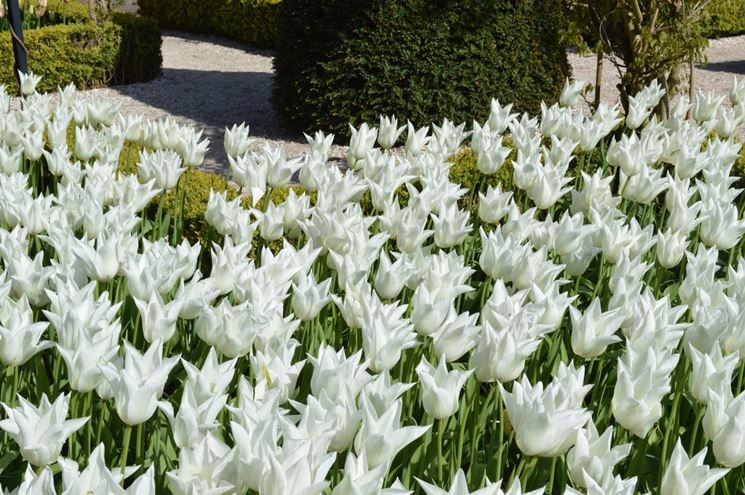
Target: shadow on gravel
[733, 66]
[212, 98]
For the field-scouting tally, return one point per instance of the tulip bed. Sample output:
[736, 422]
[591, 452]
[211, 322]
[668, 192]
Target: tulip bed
[534, 332]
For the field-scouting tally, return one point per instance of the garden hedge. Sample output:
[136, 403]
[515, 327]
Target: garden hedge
[123, 50]
[724, 18]
[350, 60]
[251, 21]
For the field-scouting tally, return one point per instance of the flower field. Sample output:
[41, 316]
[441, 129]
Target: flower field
[573, 321]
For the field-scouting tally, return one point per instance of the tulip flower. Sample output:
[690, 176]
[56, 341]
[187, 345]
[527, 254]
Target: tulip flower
[593, 457]
[333, 371]
[710, 371]
[250, 171]
[593, 330]
[28, 81]
[40, 432]
[139, 383]
[202, 469]
[440, 388]
[194, 419]
[610, 485]
[705, 106]
[729, 439]
[359, 479]
[236, 140]
[460, 487]
[492, 156]
[381, 436]
[33, 483]
[97, 477]
[385, 334]
[19, 335]
[389, 132]
[689, 476]
[571, 92]
[361, 141]
[281, 169]
[643, 380]
[164, 167]
[158, 318]
[495, 205]
[416, 139]
[500, 117]
[543, 427]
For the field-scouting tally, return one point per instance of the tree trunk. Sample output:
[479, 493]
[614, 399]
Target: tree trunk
[691, 86]
[598, 76]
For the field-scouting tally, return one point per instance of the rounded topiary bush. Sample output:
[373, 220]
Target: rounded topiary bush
[341, 61]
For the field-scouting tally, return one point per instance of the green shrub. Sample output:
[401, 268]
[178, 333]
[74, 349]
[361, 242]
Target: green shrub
[68, 12]
[351, 60]
[139, 57]
[57, 13]
[724, 18]
[194, 189]
[90, 55]
[251, 21]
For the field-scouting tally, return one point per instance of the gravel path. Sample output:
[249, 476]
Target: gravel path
[211, 83]
[726, 59]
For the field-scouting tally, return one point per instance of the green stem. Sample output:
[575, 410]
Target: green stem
[500, 406]
[517, 472]
[551, 476]
[125, 449]
[461, 434]
[140, 452]
[673, 418]
[694, 434]
[440, 460]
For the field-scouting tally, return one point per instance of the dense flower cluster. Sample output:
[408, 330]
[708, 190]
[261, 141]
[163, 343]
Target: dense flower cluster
[555, 332]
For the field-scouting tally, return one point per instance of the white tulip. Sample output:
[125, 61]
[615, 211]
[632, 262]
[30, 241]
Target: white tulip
[440, 388]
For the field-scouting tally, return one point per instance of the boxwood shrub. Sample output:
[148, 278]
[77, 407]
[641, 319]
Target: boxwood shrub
[350, 60]
[724, 18]
[250, 21]
[123, 50]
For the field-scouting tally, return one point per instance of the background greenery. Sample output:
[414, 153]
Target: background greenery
[724, 18]
[351, 60]
[252, 21]
[124, 49]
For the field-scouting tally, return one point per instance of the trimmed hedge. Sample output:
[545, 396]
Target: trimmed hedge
[251, 21]
[123, 50]
[351, 60]
[724, 18]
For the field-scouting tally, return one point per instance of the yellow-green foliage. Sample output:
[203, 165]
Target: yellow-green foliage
[252, 21]
[125, 49]
[127, 158]
[194, 187]
[62, 12]
[739, 168]
[464, 172]
[724, 18]
[276, 196]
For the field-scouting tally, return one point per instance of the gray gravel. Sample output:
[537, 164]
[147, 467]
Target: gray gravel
[726, 59]
[211, 83]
